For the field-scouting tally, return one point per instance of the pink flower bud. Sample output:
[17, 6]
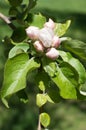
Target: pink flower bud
[56, 41]
[52, 53]
[46, 36]
[32, 32]
[38, 46]
[50, 24]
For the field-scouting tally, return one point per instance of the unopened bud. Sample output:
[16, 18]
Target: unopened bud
[45, 36]
[52, 53]
[32, 32]
[38, 46]
[50, 24]
[56, 41]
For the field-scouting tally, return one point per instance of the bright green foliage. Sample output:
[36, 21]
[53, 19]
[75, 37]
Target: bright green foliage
[19, 48]
[41, 99]
[44, 119]
[70, 73]
[67, 89]
[67, 57]
[38, 20]
[60, 29]
[15, 73]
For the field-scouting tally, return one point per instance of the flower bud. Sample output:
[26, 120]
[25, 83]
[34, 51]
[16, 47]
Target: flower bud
[52, 53]
[50, 24]
[32, 32]
[38, 46]
[45, 36]
[56, 41]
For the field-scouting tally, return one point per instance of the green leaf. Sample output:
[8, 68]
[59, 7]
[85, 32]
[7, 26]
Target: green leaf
[41, 99]
[49, 66]
[19, 34]
[44, 119]
[19, 48]
[15, 2]
[67, 57]
[76, 47]
[49, 99]
[15, 73]
[67, 89]
[70, 72]
[38, 20]
[60, 29]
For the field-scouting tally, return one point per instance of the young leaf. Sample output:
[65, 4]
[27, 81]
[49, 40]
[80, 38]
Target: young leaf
[67, 57]
[60, 29]
[41, 99]
[38, 20]
[19, 48]
[15, 73]
[76, 47]
[44, 119]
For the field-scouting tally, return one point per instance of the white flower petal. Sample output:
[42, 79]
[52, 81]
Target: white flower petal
[46, 36]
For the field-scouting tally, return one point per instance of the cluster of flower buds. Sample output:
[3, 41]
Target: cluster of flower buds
[45, 39]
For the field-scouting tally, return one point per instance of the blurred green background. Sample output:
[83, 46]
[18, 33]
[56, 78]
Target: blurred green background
[67, 115]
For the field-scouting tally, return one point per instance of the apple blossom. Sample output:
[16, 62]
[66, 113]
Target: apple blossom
[46, 36]
[50, 24]
[39, 47]
[45, 39]
[32, 32]
[52, 53]
[56, 41]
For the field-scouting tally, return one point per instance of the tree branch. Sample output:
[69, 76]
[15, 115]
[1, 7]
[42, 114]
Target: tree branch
[7, 21]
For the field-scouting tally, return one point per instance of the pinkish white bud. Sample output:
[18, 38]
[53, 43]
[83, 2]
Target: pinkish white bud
[50, 24]
[38, 46]
[32, 32]
[52, 53]
[56, 41]
[45, 36]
